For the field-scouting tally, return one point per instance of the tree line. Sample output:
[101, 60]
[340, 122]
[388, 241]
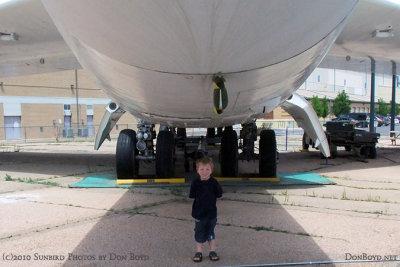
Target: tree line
[341, 105]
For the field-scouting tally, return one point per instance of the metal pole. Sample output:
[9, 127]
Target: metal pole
[286, 137]
[77, 97]
[372, 110]
[394, 85]
[334, 80]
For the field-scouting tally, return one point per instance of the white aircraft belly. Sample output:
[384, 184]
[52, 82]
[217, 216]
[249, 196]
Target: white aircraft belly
[157, 59]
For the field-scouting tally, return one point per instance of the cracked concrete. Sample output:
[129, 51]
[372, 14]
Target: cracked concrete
[256, 224]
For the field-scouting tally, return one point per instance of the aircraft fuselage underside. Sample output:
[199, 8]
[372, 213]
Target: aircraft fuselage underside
[193, 64]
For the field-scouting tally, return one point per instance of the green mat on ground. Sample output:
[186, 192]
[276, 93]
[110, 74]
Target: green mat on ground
[110, 180]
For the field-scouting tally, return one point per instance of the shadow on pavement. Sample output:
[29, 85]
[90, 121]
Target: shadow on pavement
[89, 163]
[161, 234]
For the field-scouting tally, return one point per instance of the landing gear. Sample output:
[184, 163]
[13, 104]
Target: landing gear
[165, 150]
[181, 137]
[211, 135]
[181, 133]
[249, 136]
[268, 154]
[127, 163]
[229, 153]
[134, 147]
[219, 131]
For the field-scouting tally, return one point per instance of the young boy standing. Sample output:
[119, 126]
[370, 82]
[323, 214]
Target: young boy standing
[205, 190]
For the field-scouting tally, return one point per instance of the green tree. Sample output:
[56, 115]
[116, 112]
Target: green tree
[325, 107]
[383, 108]
[316, 104]
[341, 104]
[396, 108]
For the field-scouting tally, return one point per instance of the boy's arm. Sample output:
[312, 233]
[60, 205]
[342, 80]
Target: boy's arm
[219, 191]
[192, 193]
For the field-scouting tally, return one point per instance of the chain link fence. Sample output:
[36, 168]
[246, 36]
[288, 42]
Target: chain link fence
[59, 133]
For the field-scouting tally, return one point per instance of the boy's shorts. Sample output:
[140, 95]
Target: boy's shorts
[204, 230]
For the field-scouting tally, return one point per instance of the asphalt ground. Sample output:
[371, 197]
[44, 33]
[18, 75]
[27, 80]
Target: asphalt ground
[46, 223]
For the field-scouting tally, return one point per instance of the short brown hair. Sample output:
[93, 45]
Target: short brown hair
[205, 161]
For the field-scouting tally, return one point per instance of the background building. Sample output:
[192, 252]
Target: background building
[330, 82]
[59, 104]
[68, 103]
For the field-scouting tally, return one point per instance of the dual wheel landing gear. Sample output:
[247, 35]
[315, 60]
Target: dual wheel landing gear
[135, 147]
[229, 157]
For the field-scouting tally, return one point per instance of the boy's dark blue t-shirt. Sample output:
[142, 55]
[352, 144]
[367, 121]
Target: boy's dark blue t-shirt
[205, 194]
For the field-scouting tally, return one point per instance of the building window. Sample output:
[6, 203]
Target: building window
[319, 78]
[67, 107]
[358, 109]
[344, 82]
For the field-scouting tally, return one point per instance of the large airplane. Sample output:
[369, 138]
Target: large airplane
[189, 63]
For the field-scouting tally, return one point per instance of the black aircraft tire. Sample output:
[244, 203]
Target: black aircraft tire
[165, 154]
[267, 161]
[229, 154]
[127, 165]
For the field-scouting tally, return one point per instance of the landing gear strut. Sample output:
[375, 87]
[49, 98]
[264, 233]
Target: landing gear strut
[249, 136]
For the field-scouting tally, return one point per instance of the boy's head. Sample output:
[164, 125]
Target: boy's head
[204, 167]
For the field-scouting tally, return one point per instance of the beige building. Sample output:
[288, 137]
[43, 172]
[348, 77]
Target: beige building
[45, 106]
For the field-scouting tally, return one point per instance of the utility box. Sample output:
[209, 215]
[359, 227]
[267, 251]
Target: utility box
[83, 132]
[68, 133]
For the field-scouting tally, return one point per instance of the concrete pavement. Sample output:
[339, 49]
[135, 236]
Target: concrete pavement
[45, 223]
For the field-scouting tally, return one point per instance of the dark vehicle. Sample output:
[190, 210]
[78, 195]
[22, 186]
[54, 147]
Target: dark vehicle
[380, 120]
[360, 119]
[386, 119]
[342, 133]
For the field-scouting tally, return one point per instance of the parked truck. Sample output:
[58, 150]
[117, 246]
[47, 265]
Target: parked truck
[345, 134]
